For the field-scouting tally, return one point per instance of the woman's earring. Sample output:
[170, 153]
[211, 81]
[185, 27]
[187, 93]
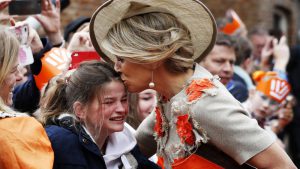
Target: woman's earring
[151, 84]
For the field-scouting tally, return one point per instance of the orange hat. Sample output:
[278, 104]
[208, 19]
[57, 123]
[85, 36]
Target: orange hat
[53, 63]
[271, 85]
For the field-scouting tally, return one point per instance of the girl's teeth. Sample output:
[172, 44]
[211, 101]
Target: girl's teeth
[117, 118]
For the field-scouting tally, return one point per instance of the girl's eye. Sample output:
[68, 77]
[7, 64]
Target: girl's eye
[124, 100]
[108, 102]
[146, 98]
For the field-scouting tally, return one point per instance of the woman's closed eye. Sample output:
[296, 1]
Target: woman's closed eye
[119, 59]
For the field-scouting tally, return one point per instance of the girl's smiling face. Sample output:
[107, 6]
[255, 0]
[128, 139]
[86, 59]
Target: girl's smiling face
[9, 83]
[108, 113]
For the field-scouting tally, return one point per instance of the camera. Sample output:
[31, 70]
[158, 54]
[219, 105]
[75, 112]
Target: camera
[24, 7]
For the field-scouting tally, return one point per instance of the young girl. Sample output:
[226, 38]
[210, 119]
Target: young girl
[268, 104]
[84, 116]
[141, 105]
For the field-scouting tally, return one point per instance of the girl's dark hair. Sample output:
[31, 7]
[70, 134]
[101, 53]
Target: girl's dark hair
[82, 85]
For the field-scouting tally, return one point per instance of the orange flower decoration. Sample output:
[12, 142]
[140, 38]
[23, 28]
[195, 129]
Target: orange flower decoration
[185, 129]
[196, 88]
[158, 125]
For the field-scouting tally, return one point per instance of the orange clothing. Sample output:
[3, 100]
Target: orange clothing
[24, 144]
[192, 162]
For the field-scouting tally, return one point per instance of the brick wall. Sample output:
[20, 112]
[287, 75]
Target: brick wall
[252, 12]
[259, 13]
[79, 8]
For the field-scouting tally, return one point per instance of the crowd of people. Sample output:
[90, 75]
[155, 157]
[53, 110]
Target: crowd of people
[145, 84]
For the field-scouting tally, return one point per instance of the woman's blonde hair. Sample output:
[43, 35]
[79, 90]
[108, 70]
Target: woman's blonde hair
[9, 49]
[152, 37]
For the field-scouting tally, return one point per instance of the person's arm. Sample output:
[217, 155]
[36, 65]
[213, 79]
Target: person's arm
[26, 96]
[50, 21]
[273, 157]
[144, 136]
[232, 131]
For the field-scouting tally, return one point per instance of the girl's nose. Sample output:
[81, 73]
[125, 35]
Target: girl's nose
[121, 107]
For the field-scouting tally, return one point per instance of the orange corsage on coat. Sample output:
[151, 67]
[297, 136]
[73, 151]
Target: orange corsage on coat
[158, 128]
[197, 87]
[185, 129]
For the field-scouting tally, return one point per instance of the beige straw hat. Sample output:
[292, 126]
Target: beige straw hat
[191, 13]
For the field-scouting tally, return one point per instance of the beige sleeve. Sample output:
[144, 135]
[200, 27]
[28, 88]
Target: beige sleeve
[229, 126]
[144, 136]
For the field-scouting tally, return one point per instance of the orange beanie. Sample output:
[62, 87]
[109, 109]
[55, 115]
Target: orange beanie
[271, 85]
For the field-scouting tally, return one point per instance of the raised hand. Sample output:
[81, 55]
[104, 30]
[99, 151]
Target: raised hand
[33, 39]
[266, 53]
[281, 53]
[4, 4]
[285, 115]
[80, 42]
[50, 20]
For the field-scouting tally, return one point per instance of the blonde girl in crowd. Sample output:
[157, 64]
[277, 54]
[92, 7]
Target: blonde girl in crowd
[24, 142]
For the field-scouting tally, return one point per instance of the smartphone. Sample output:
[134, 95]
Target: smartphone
[21, 32]
[25, 52]
[80, 56]
[25, 7]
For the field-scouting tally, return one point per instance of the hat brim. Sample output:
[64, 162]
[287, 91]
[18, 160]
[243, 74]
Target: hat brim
[193, 14]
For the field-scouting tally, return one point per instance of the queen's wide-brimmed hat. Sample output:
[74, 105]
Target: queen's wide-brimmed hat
[193, 14]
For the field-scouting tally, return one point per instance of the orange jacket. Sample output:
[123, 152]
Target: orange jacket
[24, 144]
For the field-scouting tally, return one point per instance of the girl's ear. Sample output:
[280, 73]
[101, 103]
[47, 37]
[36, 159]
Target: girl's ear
[79, 110]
